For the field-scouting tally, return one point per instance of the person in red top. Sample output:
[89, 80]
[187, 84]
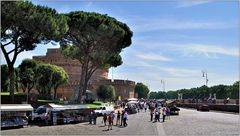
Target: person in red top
[110, 121]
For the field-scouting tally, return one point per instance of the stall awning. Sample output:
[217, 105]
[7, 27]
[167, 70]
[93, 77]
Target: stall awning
[133, 99]
[135, 102]
[16, 107]
[64, 107]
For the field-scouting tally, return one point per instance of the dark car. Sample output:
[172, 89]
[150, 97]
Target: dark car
[203, 107]
[174, 110]
[131, 108]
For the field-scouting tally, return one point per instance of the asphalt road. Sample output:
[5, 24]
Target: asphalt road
[188, 123]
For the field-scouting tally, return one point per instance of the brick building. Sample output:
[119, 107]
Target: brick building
[124, 89]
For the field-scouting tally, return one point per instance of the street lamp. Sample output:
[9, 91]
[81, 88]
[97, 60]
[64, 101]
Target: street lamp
[163, 82]
[112, 75]
[205, 75]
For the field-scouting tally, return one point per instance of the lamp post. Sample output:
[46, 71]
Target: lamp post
[112, 75]
[163, 82]
[205, 75]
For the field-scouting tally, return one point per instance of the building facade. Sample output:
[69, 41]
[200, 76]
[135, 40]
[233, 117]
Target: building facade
[124, 89]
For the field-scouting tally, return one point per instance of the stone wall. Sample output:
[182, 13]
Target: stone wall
[124, 88]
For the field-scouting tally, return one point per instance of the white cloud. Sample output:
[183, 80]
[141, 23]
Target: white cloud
[190, 3]
[179, 72]
[137, 63]
[206, 49]
[155, 24]
[178, 79]
[152, 57]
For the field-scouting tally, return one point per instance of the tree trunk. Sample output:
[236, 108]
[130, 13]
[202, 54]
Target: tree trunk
[55, 92]
[11, 76]
[82, 81]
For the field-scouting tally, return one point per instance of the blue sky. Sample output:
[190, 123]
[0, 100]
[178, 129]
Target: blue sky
[173, 41]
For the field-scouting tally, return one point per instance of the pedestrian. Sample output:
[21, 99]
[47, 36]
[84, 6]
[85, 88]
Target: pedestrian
[94, 117]
[145, 107]
[164, 113]
[151, 113]
[168, 112]
[113, 115]
[90, 117]
[122, 117]
[118, 118]
[105, 119]
[125, 118]
[110, 121]
[157, 115]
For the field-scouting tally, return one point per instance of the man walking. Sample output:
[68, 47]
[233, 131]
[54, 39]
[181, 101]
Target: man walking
[125, 117]
[94, 117]
[164, 113]
[122, 117]
[151, 113]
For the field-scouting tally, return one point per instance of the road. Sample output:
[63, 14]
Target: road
[188, 123]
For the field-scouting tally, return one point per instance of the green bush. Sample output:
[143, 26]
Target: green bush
[15, 93]
[49, 101]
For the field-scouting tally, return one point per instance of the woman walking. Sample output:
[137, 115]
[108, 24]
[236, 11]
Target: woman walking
[118, 118]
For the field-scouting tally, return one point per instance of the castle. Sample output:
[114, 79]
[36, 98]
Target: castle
[124, 88]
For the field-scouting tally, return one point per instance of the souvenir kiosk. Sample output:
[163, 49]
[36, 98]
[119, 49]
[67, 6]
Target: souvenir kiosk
[15, 115]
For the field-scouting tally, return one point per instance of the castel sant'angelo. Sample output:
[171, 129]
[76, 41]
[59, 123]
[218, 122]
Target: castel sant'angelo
[123, 88]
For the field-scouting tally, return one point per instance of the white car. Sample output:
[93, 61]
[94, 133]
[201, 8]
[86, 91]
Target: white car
[104, 109]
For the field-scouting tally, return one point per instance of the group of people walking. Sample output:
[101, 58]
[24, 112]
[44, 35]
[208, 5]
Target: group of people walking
[121, 120]
[157, 111]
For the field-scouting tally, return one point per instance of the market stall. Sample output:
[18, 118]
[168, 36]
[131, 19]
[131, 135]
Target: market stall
[15, 115]
[63, 114]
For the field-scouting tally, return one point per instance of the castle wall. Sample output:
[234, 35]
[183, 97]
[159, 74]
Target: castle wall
[124, 88]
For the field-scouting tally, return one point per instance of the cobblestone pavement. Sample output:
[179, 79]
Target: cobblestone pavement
[188, 123]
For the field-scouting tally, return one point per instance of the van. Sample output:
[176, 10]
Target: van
[104, 109]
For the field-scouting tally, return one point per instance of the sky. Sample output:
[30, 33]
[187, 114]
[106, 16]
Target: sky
[173, 41]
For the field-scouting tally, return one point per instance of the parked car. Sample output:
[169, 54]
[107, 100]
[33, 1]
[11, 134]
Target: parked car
[104, 109]
[203, 107]
[131, 108]
[174, 110]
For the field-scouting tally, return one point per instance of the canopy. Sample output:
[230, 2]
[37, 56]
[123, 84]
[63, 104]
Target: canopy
[16, 107]
[132, 99]
[170, 101]
[64, 107]
[132, 102]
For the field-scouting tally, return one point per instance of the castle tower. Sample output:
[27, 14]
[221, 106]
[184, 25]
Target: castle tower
[73, 68]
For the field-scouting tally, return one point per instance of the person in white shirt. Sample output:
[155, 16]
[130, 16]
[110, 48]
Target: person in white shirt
[145, 107]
